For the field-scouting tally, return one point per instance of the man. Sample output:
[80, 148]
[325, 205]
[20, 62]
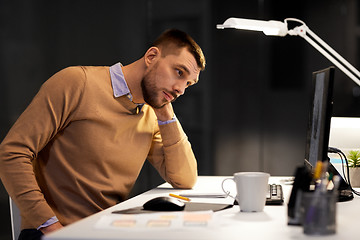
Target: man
[81, 143]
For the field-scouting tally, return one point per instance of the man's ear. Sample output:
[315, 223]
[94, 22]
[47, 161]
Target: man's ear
[152, 55]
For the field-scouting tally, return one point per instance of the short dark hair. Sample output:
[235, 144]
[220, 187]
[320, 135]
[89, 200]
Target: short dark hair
[180, 39]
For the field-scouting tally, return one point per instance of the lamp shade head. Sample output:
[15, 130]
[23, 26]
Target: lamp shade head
[272, 28]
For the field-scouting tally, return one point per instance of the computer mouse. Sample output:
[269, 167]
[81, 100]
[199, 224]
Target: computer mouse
[164, 204]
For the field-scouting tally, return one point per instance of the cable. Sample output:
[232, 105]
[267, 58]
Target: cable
[341, 154]
[346, 176]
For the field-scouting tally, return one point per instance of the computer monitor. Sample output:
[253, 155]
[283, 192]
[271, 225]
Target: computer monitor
[320, 113]
[318, 131]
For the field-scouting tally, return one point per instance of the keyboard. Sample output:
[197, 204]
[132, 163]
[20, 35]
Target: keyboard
[275, 195]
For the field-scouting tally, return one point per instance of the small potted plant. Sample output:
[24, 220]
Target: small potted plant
[354, 167]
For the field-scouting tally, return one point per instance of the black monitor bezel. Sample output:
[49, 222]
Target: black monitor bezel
[326, 114]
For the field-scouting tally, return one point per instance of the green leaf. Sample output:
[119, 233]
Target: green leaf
[354, 158]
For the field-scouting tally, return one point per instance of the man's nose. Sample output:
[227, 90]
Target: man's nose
[179, 88]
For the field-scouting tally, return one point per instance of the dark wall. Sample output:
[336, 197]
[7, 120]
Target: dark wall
[260, 120]
[250, 108]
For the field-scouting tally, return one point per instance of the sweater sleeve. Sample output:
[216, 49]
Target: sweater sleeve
[49, 112]
[171, 154]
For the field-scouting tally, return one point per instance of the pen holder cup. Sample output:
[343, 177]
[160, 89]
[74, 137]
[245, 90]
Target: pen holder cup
[319, 213]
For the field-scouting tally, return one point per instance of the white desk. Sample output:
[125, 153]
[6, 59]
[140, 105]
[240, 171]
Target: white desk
[233, 224]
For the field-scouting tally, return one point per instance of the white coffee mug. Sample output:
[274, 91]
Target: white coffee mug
[252, 188]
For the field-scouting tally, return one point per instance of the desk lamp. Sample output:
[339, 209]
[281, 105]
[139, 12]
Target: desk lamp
[277, 28]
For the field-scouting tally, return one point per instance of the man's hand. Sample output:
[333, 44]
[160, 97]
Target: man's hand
[164, 113]
[51, 228]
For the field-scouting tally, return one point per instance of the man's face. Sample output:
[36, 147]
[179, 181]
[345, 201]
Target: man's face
[168, 77]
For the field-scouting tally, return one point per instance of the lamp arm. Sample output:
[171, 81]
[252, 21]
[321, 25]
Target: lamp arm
[320, 45]
[332, 59]
[333, 52]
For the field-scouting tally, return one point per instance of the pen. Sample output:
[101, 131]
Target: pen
[179, 197]
[318, 170]
[320, 190]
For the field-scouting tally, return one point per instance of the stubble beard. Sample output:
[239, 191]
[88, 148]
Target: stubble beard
[150, 91]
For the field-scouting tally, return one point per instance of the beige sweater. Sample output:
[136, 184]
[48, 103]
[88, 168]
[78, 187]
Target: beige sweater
[77, 149]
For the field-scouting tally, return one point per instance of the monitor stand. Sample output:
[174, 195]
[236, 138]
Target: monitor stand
[345, 192]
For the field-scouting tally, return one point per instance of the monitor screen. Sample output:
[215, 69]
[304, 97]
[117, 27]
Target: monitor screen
[318, 130]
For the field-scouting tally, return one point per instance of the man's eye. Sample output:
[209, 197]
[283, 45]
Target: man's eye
[179, 72]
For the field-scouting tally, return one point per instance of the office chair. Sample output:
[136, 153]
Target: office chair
[15, 219]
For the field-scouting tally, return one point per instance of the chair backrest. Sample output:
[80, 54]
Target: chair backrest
[15, 219]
